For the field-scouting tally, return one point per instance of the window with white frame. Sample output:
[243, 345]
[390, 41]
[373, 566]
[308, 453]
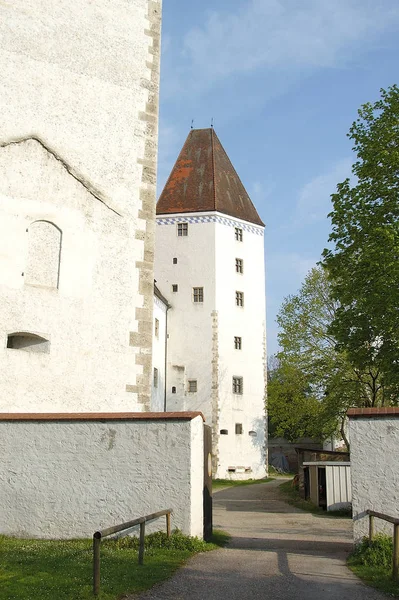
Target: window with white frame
[155, 377]
[238, 234]
[239, 298]
[182, 229]
[198, 294]
[237, 342]
[239, 265]
[192, 385]
[156, 327]
[238, 385]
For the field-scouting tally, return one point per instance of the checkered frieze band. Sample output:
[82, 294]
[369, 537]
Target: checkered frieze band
[211, 219]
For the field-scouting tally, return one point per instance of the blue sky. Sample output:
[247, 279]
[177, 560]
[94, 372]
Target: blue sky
[283, 80]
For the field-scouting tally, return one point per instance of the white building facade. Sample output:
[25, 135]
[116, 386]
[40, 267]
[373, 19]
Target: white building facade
[209, 263]
[79, 90]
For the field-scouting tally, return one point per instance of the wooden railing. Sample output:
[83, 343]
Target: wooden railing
[98, 535]
[395, 522]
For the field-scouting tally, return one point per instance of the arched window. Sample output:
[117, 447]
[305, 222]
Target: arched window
[44, 254]
[30, 342]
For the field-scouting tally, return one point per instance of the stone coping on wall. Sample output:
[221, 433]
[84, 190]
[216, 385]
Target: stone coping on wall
[375, 412]
[141, 416]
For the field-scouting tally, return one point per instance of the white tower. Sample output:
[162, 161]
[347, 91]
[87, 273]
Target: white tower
[209, 263]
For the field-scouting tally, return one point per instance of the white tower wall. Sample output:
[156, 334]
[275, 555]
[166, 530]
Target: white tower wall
[78, 145]
[201, 335]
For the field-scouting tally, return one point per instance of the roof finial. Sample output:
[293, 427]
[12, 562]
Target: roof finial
[212, 123]
[192, 123]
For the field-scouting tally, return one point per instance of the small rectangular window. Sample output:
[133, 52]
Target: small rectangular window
[198, 294]
[238, 386]
[239, 298]
[238, 428]
[175, 287]
[182, 229]
[157, 328]
[238, 234]
[239, 265]
[174, 389]
[175, 261]
[192, 385]
[237, 343]
[155, 377]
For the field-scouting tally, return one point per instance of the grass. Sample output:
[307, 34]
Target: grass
[218, 484]
[62, 569]
[372, 562]
[291, 496]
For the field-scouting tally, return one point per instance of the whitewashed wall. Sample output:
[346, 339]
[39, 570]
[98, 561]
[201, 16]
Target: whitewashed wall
[63, 478]
[201, 335]
[374, 469]
[158, 355]
[78, 145]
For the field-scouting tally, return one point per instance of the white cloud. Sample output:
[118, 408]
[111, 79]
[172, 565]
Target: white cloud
[285, 34]
[314, 201]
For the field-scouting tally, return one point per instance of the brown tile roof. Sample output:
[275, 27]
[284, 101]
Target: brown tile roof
[203, 179]
[382, 411]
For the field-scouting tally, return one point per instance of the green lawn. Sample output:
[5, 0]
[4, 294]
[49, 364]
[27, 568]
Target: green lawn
[218, 484]
[291, 495]
[62, 570]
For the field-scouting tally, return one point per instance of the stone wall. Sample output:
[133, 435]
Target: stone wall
[66, 476]
[374, 437]
[79, 93]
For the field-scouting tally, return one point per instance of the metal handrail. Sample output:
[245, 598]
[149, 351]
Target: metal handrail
[395, 522]
[98, 535]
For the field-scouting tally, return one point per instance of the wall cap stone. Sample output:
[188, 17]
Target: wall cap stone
[375, 412]
[135, 416]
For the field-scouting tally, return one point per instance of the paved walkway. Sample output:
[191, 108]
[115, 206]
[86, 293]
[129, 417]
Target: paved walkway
[276, 552]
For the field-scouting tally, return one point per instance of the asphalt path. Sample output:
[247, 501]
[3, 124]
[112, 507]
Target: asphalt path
[276, 552]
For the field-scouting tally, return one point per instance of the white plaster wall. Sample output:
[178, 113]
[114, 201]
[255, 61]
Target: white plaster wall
[77, 144]
[158, 356]
[206, 257]
[189, 323]
[248, 323]
[71, 73]
[374, 471]
[63, 479]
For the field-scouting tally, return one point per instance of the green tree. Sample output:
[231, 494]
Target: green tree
[293, 410]
[363, 265]
[307, 344]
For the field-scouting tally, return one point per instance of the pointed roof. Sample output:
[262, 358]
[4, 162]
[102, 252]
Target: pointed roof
[203, 179]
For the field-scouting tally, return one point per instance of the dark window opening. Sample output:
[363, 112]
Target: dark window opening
[175, 261]
[174, 390]
[29, 342]
[175, 287]
[238, 428]
[224, 432]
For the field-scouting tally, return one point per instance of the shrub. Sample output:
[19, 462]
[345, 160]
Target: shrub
[377, 553]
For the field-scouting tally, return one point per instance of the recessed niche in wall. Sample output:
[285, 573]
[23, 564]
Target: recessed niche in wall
[224, 432]
[174, 390]
[252, 433]
[44, 254]
[29, 342]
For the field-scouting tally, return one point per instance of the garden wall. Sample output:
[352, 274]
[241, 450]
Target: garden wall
[374, 439]
[68, 475]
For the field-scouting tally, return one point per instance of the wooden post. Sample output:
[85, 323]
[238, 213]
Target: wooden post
[141, 548]
[168, 524]
[371, 527]
[96, 564]
[396, 552]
